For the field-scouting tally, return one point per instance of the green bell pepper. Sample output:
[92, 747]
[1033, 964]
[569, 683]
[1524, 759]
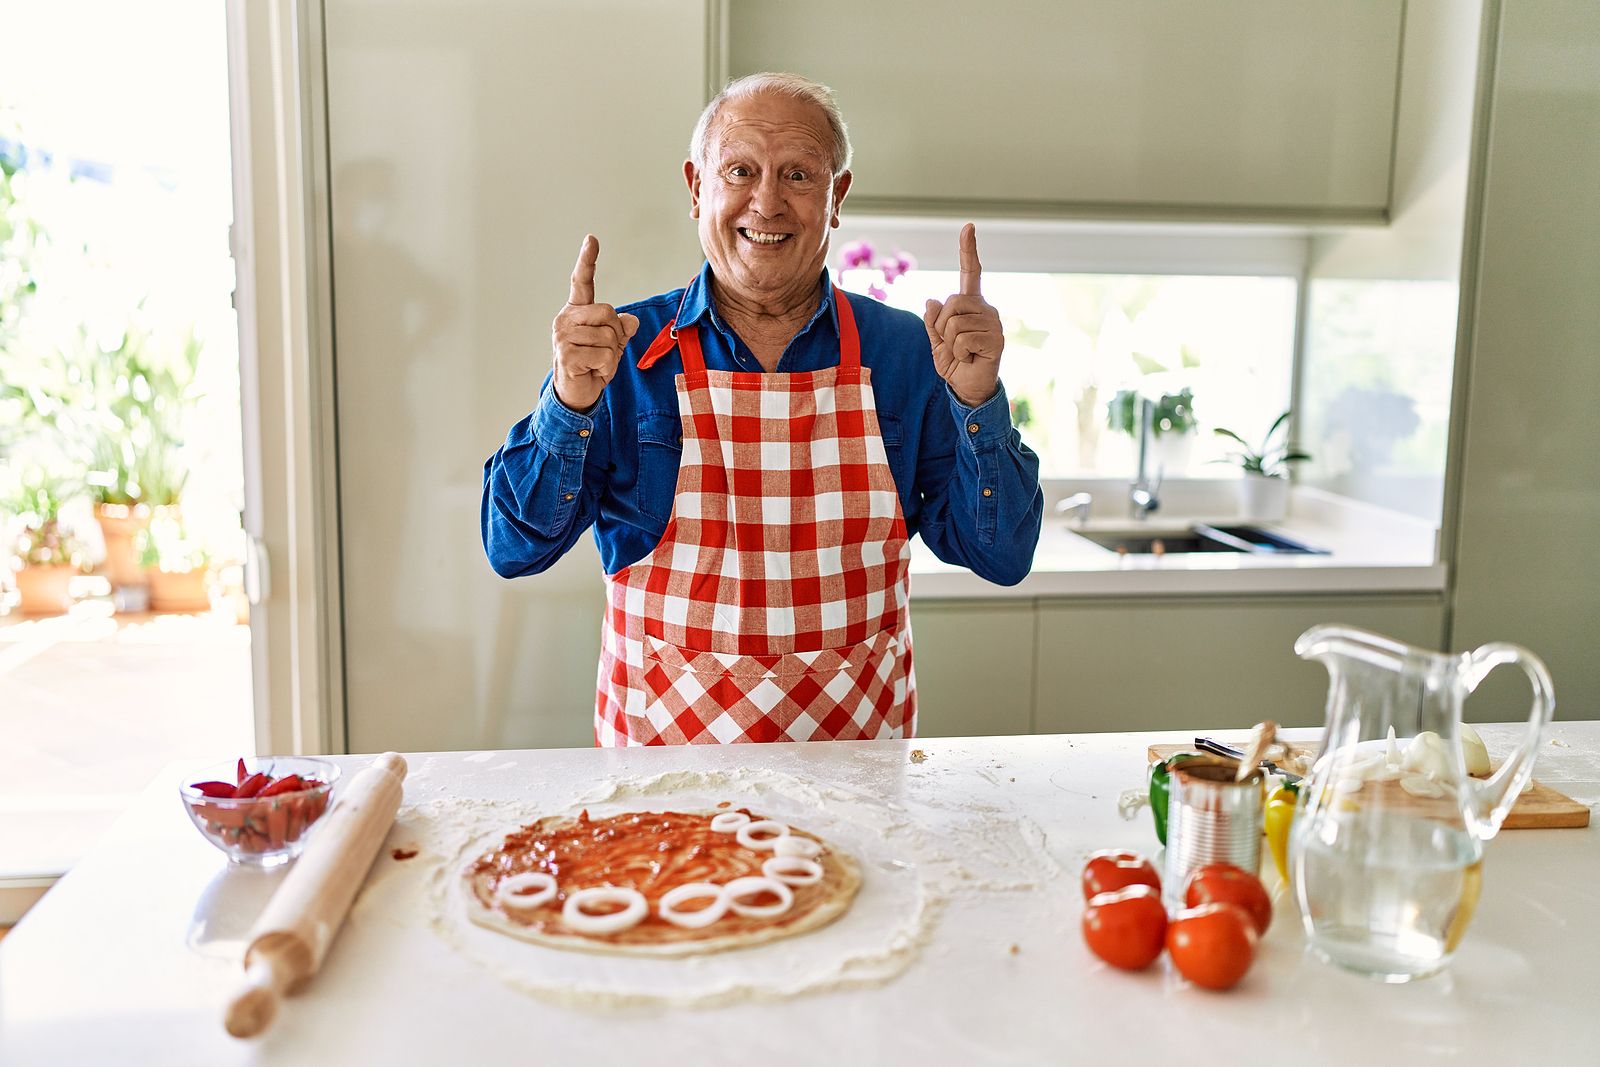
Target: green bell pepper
[1160, 789]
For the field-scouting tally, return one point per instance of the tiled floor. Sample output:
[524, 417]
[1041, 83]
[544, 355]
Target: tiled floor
[93, 706]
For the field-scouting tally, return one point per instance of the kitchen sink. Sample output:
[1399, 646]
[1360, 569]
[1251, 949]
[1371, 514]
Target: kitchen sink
[1200, 537]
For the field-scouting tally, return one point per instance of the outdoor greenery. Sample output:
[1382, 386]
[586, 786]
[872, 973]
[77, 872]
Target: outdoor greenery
[1174, 413]
[85, 413]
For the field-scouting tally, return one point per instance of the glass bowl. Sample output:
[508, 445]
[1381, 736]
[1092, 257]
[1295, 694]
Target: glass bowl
[259, 831]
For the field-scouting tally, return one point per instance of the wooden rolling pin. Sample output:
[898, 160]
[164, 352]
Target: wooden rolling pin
[292, 935]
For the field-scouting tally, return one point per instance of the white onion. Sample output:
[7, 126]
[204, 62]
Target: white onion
[753, 885]
[793, 870]
[729, 821]
[747, 832]
[693, 920]
[510, 890]
[797, 846]
[1473, 751]
[1427, 754]
[634, 910]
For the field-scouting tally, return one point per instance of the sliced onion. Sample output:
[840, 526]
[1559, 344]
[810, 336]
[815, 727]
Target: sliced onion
[747, 832]
[793, 870]
[510, 890]
[693, 920]
[754, 885]
[1421, 785]
[728, 822]
[634, 910]
[792, 845]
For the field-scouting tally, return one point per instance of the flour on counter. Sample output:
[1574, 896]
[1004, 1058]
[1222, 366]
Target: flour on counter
[915, 856]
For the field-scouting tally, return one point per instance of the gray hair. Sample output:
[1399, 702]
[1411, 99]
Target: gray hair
[791, 85]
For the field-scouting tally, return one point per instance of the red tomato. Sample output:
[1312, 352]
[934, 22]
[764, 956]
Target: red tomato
[1223, 883]
[1111, 869]
[1212, 945]
[1126, 928]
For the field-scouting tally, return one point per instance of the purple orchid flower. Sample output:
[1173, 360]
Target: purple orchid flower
[856, 254]
[877, 293]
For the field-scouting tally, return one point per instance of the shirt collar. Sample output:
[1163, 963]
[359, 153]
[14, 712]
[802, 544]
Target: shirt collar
[697, 303]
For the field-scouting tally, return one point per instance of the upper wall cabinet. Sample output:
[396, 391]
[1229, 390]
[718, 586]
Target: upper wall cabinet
[1191, 109]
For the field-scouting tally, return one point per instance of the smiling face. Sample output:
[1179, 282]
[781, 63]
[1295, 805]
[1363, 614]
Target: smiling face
[767, 198]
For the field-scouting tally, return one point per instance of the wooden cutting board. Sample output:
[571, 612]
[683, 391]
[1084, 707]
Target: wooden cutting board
[1538, 808]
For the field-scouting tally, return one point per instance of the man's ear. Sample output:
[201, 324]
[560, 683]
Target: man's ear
[691, 178]
[841, 186]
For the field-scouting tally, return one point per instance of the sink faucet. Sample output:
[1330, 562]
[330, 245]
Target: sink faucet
[1077, 503]
[1142, 498]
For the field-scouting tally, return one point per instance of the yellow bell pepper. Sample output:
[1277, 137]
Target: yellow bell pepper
[1278, 818]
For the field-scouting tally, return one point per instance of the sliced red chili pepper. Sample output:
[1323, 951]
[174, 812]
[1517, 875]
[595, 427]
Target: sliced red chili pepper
[253, 785]
[289, 783]
[277, 825]
[243, 774]
[214, 789]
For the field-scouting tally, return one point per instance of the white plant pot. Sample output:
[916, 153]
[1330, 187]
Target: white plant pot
[1263, 499]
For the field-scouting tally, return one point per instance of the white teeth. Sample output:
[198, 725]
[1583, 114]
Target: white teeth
[763, 238]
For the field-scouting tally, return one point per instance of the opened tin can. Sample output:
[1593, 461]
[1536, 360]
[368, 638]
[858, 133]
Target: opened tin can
[1210, 819]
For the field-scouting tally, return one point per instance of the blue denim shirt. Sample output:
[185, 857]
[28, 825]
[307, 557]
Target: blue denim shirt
[967, 483]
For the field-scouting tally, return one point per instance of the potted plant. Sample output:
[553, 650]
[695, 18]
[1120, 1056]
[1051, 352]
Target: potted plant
[178, 568]
[1172, 425]
[135, 468]
[46, 555]
[1264, 491]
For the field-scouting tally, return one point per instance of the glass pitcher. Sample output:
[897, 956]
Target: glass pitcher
[1386, 852]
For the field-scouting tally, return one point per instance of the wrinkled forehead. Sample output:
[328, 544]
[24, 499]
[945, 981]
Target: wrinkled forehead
[772, 124]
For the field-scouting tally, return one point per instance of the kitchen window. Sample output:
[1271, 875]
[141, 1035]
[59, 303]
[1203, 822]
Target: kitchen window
[1210, 337]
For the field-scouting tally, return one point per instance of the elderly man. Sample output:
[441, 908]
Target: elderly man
[755, 451]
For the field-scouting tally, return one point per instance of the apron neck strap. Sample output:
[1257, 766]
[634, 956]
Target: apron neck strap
[687, 340]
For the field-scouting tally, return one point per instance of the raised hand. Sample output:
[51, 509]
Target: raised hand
[965, 332]
[588, 338]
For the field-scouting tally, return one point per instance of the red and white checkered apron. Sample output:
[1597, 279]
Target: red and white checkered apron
[775, 607]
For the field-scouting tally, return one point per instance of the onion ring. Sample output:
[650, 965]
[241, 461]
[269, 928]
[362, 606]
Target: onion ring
[728, 822]
[793, 870]
[667, 908]
[509, 892]
[749, 887]
[583, 922]
[792, 845]
[747, 832]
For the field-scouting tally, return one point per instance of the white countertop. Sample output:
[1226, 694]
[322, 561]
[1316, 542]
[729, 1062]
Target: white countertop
[1371, 550]
[101, 970]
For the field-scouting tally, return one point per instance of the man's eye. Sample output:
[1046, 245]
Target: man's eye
[738, 172]
[797, 175]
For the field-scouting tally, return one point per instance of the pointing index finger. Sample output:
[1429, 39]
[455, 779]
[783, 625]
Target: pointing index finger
[970, 267]
[583, 273]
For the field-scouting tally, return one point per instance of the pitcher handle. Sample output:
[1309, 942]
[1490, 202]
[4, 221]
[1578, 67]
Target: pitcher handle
[1495, 796]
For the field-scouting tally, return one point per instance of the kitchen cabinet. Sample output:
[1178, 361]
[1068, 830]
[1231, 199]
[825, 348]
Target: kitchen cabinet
[1069, 664]
[1081, 108]
[974, 663]
[1180, 664]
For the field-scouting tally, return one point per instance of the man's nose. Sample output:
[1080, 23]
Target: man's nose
[768, 196]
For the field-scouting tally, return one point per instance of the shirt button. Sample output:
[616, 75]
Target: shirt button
[568, 496]
[583, 433]
[972, 427]
[988, 492]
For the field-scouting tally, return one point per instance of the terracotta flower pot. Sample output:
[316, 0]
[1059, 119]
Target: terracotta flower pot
[45, 589]
[119, 526]
[180, 590]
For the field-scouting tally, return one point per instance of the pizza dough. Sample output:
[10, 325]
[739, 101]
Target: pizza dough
[652, 852]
